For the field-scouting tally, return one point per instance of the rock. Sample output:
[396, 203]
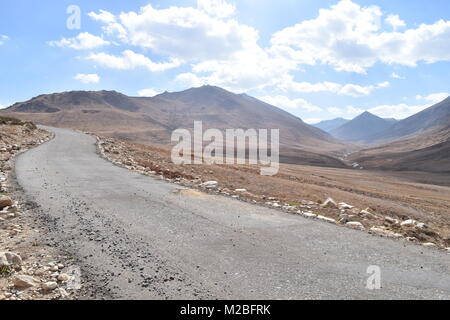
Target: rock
[63, 293]
[386, 233]
[326, 219]
[309, 214]
[421, 225]
[345, 206]
[429, 244]
[63, 277]
[391, 220]
[355, 225]
[23, 281]
[412, 239]
[447, 249]
[8, 258]
[5, 202]
[60, 266]
[241, 190]
[408, 223]
[329, 203]
[210, 184]
[54, 268]
[49, 286]
[2, 297]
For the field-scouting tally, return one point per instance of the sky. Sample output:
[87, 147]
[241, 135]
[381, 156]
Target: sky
[315, 59]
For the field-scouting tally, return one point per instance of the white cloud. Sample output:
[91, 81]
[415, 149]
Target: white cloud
[87, 78]
[399, 111]
[349, 111]
[396, 76]
[349, 37]
[185, 33]
[284, 102]
[131, 60]
[3, 39]
[216, 8]
[147, 93]
[395, 21]
[83, 41]
[352, 90]
[434, 97]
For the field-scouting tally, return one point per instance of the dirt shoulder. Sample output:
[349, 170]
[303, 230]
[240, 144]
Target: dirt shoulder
[375, 202]
[29, 268]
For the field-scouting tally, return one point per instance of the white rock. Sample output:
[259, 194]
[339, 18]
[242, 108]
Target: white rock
[409, 223]
[386, 233]
[326, 219]
[309, 215]
[210, 184]
[355, 224]
[429, 244]
[329, 203]
[421, 225]
[49, 286]
[24, 281]
[345, 206]
[241, 190]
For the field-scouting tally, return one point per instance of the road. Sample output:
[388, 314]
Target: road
[137, 237]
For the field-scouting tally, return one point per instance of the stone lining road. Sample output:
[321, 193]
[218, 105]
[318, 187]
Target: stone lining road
[136, 237]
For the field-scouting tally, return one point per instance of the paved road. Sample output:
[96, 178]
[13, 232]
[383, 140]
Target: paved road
[138, 237]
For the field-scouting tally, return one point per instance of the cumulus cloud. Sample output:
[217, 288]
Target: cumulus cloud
[395, 21]
[130, 60]
[83, 41]
[87, 78]
[434, 97]
[217, 8]
[349, 37]
[399, 111]
[286, 103]
[352, 90]
[147, 93]
[182, 32]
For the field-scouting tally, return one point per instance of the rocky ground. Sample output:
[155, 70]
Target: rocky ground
[373, 202]
[29, 269]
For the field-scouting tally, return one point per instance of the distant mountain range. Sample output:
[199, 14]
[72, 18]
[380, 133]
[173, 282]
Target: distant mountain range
[420, 142]
[328, 125]
[363, 128]
[152, 120]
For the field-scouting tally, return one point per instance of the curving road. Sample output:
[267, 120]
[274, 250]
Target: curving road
[141, 238]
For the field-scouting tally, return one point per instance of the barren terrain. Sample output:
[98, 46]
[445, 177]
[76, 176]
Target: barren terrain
[381, 200]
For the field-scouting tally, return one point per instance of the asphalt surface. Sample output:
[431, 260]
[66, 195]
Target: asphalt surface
[137, 237]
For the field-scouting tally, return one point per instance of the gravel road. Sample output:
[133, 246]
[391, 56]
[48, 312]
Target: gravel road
[136, 237]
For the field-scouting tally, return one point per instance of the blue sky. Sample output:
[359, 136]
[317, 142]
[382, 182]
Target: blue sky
[316, 59]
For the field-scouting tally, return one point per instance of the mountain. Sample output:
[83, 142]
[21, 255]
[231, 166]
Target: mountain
[420, 142]
[152, 120]
[428, 121]
[362, 128]
[329, 125]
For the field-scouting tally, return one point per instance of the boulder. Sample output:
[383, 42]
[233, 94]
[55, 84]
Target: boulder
[5, 202]
[8, 258]
[409, 223]
[49, 286]
[24, 281]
